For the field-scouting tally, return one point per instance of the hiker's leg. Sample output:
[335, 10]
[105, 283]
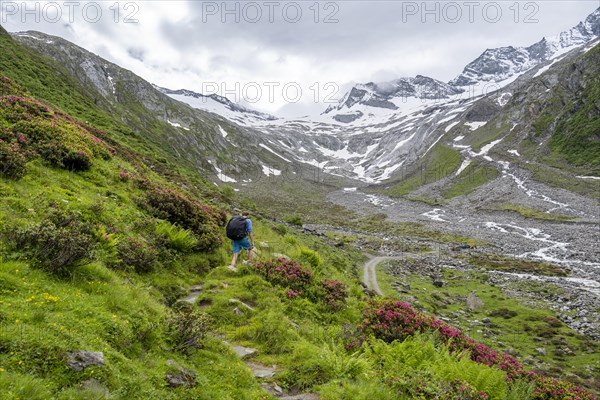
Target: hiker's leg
[246, 245]
[236, 252]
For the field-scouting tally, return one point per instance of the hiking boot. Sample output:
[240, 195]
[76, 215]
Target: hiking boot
[232, 268]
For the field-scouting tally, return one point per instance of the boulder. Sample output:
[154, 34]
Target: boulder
[474, 302]
[81, 359]
[180, 376]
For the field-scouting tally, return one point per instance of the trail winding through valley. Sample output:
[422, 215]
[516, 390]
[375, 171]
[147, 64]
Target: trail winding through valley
[370, 272]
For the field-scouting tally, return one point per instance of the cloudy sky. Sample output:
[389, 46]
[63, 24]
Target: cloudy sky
[292, 57]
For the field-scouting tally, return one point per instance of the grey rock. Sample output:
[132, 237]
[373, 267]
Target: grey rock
[474, 302]
[243, 351]
[180, 376]
[81, 359]
[279, 255]
[241, 303]
[541, 351]
[304, 396]
[262, 371]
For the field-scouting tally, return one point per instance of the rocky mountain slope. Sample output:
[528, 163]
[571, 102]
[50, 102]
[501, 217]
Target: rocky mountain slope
[378, 131]
[498, 65]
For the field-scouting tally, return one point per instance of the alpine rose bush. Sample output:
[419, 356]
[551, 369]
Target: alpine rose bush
[391, 320]
[285, 273]
[334, 293]
[34, 129]
[177, 208]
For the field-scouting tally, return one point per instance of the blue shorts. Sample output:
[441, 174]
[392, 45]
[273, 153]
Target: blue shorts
[238, 245]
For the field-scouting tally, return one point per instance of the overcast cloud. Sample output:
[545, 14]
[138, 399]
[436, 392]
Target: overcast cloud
[258, 49]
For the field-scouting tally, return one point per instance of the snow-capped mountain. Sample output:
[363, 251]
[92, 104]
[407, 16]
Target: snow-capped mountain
[218, 104]
[492, 70]
[378, 132]
[501, 64]
[389, 95]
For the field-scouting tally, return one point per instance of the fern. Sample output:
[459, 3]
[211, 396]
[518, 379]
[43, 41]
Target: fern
[311, 258]
[182, 240]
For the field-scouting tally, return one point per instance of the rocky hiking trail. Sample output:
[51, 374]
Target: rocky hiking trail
[262, 373]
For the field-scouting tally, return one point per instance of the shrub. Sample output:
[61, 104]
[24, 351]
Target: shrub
[178, 209]
[272, 331]
[8, 87]
[12, 161]
[58, 244]
[391, 320]
[56, 137]
[285, 273]
[551, 389]
[315, 365]
[186, 328]
[171, 292]
[138, 255]
[504, 313]
[293, 219]
[334, 293]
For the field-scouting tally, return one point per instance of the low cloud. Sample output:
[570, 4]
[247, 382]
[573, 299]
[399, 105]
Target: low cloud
[185, 44]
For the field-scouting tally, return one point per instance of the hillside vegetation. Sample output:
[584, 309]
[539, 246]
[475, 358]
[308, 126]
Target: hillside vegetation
[103, 236]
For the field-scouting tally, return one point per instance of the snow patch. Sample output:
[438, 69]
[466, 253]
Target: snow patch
[504, 99]
[459, 138]
[435, 215]
[547, 67]
[268, 171]
[516, 153]
[264, 146]
[403, 142]
[388, 171]
[452, 125]
[485, 149]
[430, 147]
[463, 166]
[450, 118]
[223, 132]
[222, 177]
[475, 125]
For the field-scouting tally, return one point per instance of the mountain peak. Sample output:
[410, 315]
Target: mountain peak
[499, 64]
[389, 95]
[213, 102]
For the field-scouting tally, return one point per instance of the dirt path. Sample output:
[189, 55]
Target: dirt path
[370, 272]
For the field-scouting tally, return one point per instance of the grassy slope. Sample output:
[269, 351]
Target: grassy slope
[126, 314]
[517, 327]
[438, 164]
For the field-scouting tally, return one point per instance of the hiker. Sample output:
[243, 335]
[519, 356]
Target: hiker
[238, 229]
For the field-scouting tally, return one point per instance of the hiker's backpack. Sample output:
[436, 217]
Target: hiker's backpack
[236, 228]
